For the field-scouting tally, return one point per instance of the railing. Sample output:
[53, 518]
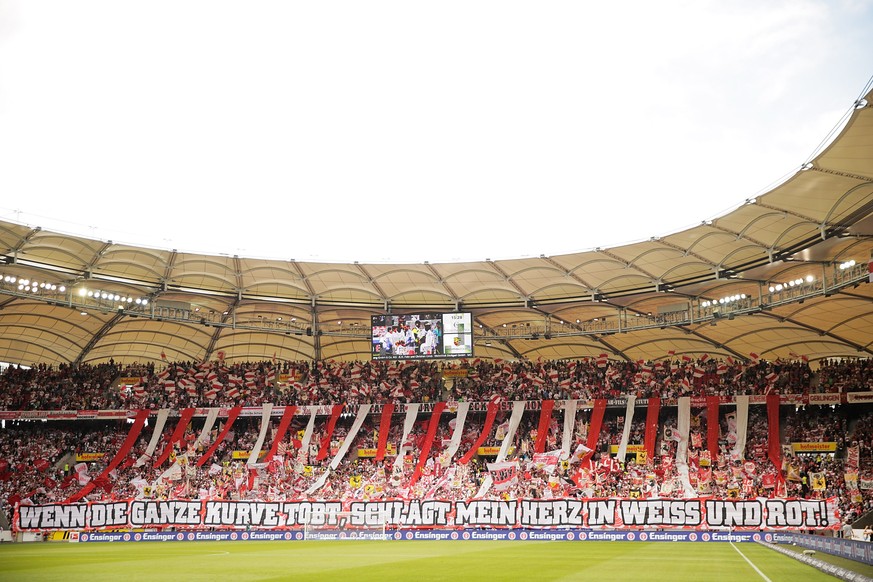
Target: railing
[699, 310]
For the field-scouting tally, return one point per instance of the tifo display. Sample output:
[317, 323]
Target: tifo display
[699, 445]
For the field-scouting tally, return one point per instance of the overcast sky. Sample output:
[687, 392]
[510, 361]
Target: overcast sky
[412, 131]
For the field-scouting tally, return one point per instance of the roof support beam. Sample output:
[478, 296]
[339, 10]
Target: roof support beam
[97, 337]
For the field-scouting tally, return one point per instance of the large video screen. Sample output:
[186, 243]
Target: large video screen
[422, 336]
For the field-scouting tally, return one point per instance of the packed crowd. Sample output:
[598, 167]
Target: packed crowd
[39, 463]
[207, 384]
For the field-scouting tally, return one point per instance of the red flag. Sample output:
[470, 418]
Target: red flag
[163, 355]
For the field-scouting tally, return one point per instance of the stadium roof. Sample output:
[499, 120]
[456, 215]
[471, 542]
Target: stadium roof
[706, 289]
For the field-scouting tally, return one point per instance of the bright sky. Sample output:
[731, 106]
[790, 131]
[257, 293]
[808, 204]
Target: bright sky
[411, 131]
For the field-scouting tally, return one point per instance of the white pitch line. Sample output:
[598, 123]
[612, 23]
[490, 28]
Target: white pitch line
[760, 573]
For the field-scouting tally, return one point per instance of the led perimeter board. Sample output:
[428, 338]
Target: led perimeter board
[422, 336]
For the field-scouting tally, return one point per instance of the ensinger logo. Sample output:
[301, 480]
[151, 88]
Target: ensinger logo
[571, 536]
[454, 535]
[583, 536]
[704, 537]
[692, 537]
[643, 536]
[511, 535]
[631, 536]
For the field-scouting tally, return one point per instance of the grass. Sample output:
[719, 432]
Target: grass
[419, 561]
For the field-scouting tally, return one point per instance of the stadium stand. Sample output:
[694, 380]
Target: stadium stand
[826, 449]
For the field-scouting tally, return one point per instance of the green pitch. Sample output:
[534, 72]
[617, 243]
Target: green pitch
[418, 561]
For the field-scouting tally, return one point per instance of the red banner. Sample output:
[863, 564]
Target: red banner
[187, 415]
[280, 431]
[428, 440]
[596, 423]
[543, 427]
[128, 443]
[775, 450]
[331, 424]
[652, 426]
[712, 426]
[384, 427]
[490, 413]
[231, 417]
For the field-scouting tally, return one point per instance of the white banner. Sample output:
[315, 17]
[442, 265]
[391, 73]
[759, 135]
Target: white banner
[204, 437]
[684, 429]
[408, 423]
[160, 421]
[625, 435]
[307, 433]
[569, 426]
[739, 451]
[265, 425]
[460, 420]
[612, 513]
[514, 421]
[363, 411]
